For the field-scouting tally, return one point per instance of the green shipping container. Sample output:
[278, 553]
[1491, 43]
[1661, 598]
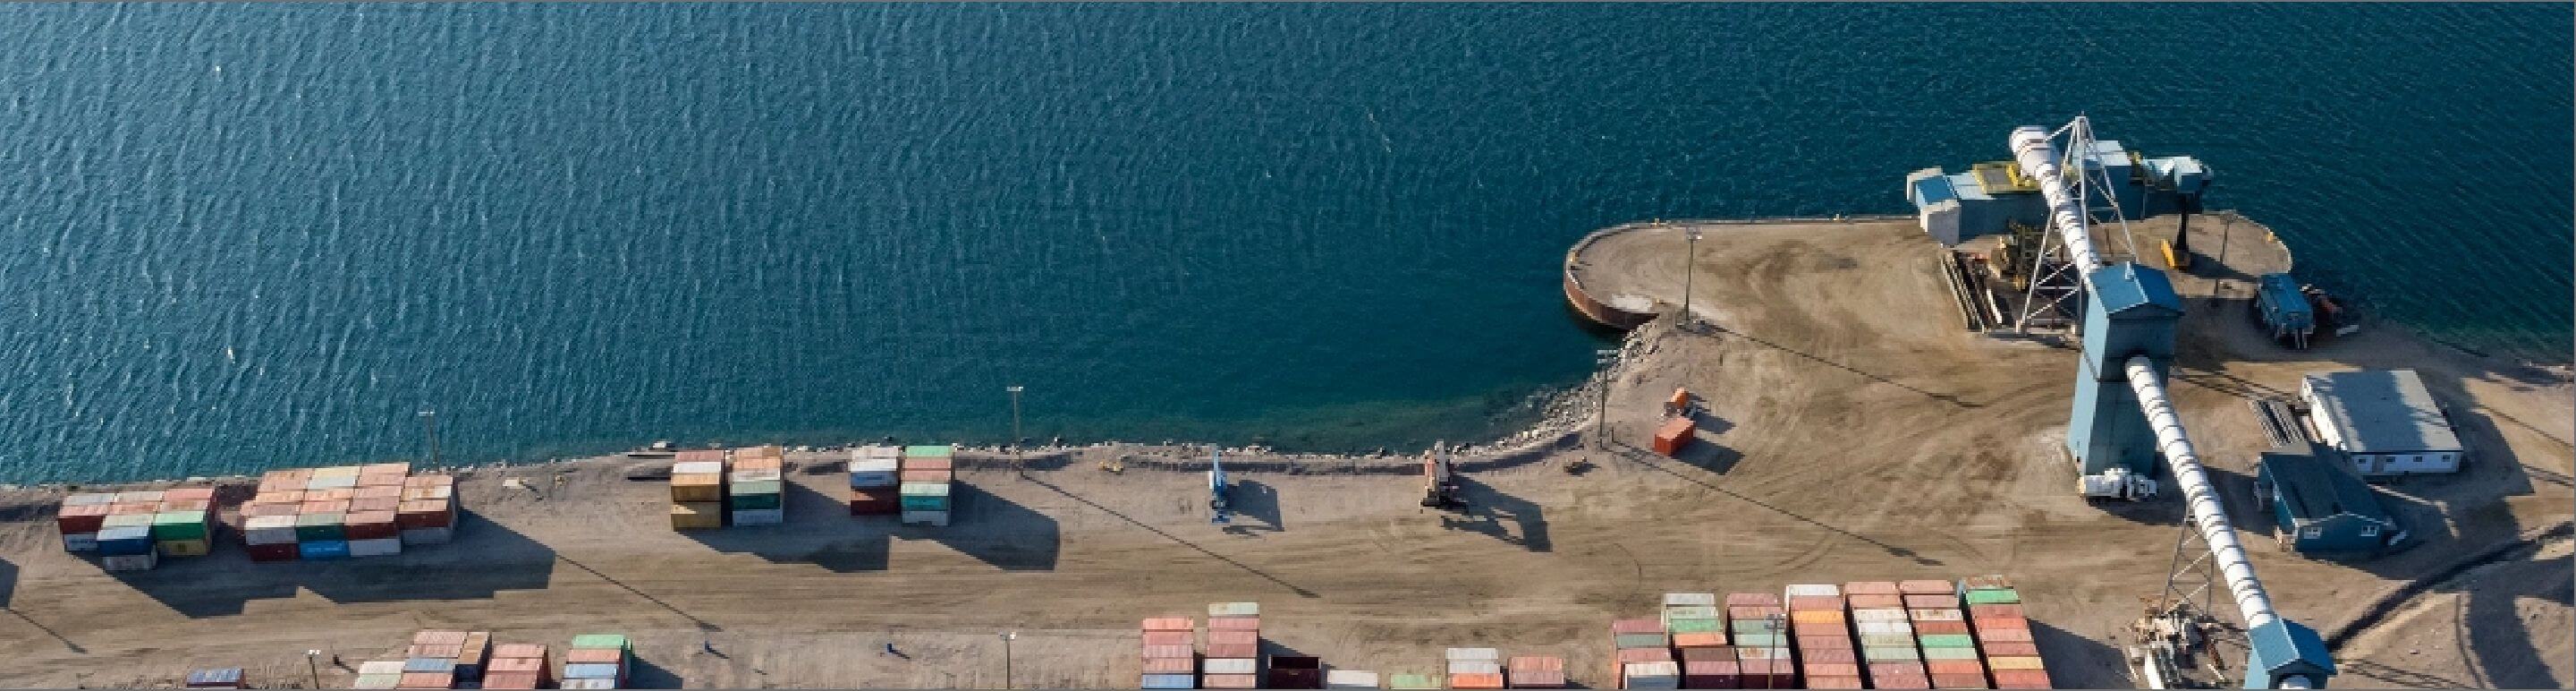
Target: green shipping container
[756, 487]
[1414, 681]
[1947, 640]
[929, 451]
[318, 527]
[1642, 640]
[179, 525]
[1689, 612]
[1691, 626]
[1889, 654]
[600, 641]
[753, 501]
[925, 503]
[2005, 596]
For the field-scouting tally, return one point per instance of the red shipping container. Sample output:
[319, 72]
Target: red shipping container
[533, 650]
[1234, 623]
[1816, 603]
[1926, 588]
[1225, 637]
[325, 506]
[1986, 635]
[2003, 624]
[436, 650]
[1877, 602]
[388, 505]
[925, 476]
[1841, 642]
[81, 519]
[1931, 602]
[340, 494]
[1870, 588]
[1940, 667]
[1941, 627]
[1619, 627]
[1843, 656]
[1537, 663]
[1833, 682]
[1235, 681]
[697, 455]
[170, 505]
[1479, 680]
[1175, 651]
[1234, 650]
[511, 680]
[1997, 612]
[1909, 682]
[1673, 435]
[1171, 665]
[1895, 669]
[133, 509]
[1711, 675]
[371, 525]
[594, 656]
[2021, 679]
[1718, 654]
[1830, 669]
[188, 494]
[1752, 600]
[1538, 679]
[2008, 649]
[424, 514]
[1628, 655]
[514, 664]
[285, 552]
[1169, 638]
[1958, 681]
[426, 680]
[1184, 624]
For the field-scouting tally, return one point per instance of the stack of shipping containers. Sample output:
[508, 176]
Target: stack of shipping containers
[2003, 633]
[1642, 655]
[1941, 629]
[1233, 658]
[445, 659]
[1535, 672]
[131, 531]
[1760, 628]
[322, 514]
[378, 674]
[186, 522]
[597, 661]
[1475, 668]
[1821, 631]
[927, 474]
[125, 536]
[1170, 655]
[519, 666]
[756, 491]
[876, 481]
[697, 489]
[1887, 640]
[80, 519]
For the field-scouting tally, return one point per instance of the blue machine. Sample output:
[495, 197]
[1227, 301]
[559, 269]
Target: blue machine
[2282, 308]
[2131, 311]
[2283, 649]
[1218, 512]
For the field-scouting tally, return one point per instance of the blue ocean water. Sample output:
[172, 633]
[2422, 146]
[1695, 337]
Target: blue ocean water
[240, 237]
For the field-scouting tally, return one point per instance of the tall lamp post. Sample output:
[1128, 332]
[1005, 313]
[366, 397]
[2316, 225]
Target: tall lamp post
[1006, 652]
[1600, 422]
[1690, 269]
[429, 426]
[312, 664]
[1016, 440]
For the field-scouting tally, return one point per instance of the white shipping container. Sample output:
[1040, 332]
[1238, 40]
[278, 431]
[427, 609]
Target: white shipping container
[875, 465]
[1938, 615]
[1350, 679]
[1878, 615]
[763, 475]
[1690, 599]
[1229, 665]
[1477, 654]
[427, 536]
[377, 547]
[759, 516]
[80, 542]
[131, 562]
[1895, 627]
[936, 518]
[1652, 675]
[1234, 609]
[1814, 590]
[380, 667]
[377, 681]
[1886, 640]
[587, 684]
[698, 468]
[1475, 667]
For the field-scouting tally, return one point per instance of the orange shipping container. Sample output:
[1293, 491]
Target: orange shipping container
[1699, 640]
[1170, 624]
[1675, 434]
[1476, 681]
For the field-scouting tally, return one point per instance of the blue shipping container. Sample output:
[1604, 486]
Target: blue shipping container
[590, 670]
[323, 549]
[228, 676]
[126, 541]
[1170, 681]
[442, 665]
[2284, 309]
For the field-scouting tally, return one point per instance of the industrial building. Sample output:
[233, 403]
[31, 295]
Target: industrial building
[1954, 208]
[2384, 421]
[2322, 508]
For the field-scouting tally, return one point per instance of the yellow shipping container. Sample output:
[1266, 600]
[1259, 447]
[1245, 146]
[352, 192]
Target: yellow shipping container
[2003, 663]
[697, 515]
[702, 488]
[186, 548]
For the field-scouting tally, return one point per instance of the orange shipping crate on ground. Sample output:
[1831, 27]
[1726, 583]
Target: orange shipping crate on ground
[1676, 433]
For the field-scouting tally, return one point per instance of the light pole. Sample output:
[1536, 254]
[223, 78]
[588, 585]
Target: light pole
[429, 426]
[1604, 358]
[1016, 439]
[1690, 268]
[311, 665]
[1006, 651]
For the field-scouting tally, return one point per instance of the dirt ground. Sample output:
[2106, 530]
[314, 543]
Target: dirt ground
[1854, 431]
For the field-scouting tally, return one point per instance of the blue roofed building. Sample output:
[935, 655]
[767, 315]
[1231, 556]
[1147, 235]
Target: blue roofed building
[2319, 507]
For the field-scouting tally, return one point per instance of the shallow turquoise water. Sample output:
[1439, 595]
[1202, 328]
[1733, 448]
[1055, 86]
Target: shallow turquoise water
[250, 236]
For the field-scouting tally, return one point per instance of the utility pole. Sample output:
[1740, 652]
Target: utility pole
[429, 425]
[1006, 651]
[1016, 442]
[1690, 268]
[1600, 422]
[310, 665]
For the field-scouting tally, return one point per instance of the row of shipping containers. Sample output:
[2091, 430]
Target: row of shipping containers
[2002, 633]
[929, 475]
[324, 514]
[471, 660]
[132, 531]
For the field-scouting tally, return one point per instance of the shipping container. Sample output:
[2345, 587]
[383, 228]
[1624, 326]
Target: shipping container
[1170, 665]
[221, 678]
[1414, 681]
[750, 517]
[184, 548]
[1169, 681]
[1650, 675]
[1295, 672]
[1476, 680]
[1458, 667]
[117, 541]
[513, 680]
[377, 681]
[130, 562]
[1350, 679]
[929, 518]
[696, 516]
[1673, 435]
[586, 684]
[1229, 665]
